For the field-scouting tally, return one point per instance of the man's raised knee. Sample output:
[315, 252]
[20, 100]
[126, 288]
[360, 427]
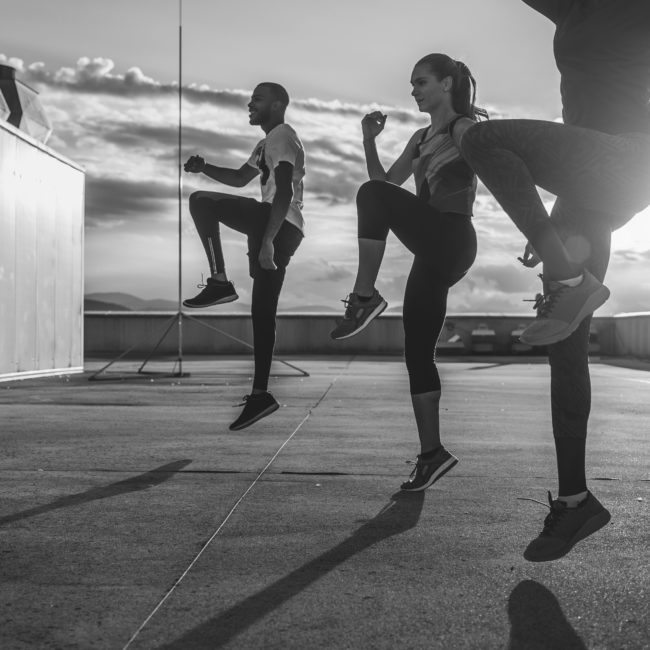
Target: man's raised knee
[194, 198]
[202, 200]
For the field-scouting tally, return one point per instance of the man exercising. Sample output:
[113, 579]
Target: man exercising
[273, 226]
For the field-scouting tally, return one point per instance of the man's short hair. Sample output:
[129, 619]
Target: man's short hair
[278, 92]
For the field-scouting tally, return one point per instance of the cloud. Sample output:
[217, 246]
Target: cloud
[334, 188]
[97, 75]
[326, 151]
[128, 135]
[14, 62]
[111, 200]
[349, 109]
[506, 278]
[633, 256]
[122, 127]
[321, 269]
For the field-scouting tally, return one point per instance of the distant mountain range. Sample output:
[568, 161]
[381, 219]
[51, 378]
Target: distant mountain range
[125, 302]
[114, 301]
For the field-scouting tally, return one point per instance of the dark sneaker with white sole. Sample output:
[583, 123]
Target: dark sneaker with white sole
[428, 470]
[256, 407]
[563, 308]
[214, 293]
[564, 527]
[358, 314]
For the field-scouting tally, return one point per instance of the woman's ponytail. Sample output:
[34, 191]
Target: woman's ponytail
[464, 84]
[464, 94]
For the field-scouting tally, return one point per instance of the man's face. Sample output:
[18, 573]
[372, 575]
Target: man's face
[260, 107]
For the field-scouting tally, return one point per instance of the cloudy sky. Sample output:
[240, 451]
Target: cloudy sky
[108, 78]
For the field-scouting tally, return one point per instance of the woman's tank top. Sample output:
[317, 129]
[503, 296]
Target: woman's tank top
[442, 178]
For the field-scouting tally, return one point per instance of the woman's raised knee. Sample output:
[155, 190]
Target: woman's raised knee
[371, 190]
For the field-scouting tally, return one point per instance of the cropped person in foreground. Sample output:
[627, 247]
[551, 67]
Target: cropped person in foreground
[598, 165]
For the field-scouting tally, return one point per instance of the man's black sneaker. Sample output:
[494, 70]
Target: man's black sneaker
[214, 293]
[427, 471]
[256, 407]
[564, 527]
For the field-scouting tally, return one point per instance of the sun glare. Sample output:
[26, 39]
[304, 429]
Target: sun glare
[635, 235]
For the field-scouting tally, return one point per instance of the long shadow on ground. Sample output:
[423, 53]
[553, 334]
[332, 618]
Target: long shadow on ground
[537, 621]
[399, 515]
[133, 484]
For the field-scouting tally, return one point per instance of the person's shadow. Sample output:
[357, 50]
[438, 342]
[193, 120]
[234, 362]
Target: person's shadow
[537, 621]
[132, 484]
[400, 514]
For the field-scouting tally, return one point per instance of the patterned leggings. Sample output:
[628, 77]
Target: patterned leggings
[601, 182]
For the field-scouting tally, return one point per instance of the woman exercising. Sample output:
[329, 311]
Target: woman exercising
[435, 226]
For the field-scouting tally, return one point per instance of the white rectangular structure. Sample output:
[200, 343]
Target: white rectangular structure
[41, 259]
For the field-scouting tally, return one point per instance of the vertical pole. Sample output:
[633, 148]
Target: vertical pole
[180, 188]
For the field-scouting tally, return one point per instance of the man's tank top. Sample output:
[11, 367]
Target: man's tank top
[442, 178]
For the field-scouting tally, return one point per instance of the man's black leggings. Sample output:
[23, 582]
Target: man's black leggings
[249, 217]
[444, 246]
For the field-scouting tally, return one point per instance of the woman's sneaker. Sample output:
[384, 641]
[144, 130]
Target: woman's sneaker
[214, 292]
[358, 314]
[564, 527]
[428, 470]
[256, 407]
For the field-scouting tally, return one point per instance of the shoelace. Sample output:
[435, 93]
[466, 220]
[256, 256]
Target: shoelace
[415, 463]
[545, 302]
[201, 285]
[557, 511]
[539, 300]
[348, 306]
[243, 401]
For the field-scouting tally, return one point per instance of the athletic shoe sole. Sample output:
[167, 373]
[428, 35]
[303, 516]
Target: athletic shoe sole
[439, 473]
[221, 301]
[589, 528]
[376, 312]
[259, 416]
[596, 300]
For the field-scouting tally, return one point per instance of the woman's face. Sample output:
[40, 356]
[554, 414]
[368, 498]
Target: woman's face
[428, 92]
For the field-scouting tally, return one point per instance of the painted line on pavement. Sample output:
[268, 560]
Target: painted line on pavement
[232, 510]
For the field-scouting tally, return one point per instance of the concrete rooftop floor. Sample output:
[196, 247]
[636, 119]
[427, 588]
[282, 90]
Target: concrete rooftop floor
[131, 516]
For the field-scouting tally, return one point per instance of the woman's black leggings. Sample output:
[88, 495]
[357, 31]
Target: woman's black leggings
[249, 217]
[444, 246]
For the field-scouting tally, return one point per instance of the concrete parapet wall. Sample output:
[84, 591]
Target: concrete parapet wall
[114, 332]
[111, 333]
[632, 334]
[41, 259]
